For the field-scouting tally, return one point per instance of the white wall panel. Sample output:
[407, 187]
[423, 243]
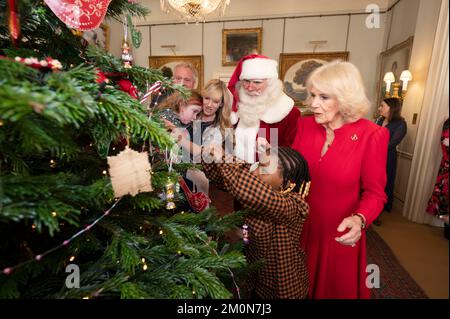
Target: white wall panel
[299, 32]
[403, 21]
[187, 38]
[212, 50]
[272, 42]
[141, 54]
[364, 45]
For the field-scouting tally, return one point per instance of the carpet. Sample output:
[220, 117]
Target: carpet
[395, 281]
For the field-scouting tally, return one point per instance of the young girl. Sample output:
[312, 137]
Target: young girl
[274, 190]
[181, 112]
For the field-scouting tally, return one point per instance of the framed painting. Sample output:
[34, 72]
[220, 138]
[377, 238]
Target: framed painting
[99, 36]
[237, 43]
[167, 64]
[295, 69]
[394, 60]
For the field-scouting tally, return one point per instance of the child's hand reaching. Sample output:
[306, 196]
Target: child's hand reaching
[169, 125]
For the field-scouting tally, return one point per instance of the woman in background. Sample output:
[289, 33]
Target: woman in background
[390, 118]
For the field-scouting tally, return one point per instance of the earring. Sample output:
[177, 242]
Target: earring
[304, 189]
[289, 188]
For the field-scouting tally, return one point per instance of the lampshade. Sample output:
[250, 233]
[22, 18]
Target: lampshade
[195, 10]
[389, 77]
[406, 76]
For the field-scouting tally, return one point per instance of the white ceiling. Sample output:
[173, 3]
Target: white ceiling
[271, 8]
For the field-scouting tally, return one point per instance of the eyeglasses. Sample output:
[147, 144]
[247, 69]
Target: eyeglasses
[256, 83]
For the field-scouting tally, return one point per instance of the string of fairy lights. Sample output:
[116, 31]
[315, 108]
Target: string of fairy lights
[39, 257]
[9, 270]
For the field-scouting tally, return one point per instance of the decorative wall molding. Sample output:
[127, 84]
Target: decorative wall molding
[405, 155]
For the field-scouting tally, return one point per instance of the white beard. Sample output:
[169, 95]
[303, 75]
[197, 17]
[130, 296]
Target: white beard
[252, 108]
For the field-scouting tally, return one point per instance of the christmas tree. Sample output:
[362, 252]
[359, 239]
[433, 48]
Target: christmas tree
[65, 108]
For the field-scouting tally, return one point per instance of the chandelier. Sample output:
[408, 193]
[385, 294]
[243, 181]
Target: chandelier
[194, 10]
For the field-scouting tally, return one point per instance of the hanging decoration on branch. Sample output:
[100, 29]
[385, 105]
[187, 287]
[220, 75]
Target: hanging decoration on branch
[169, 193]
[13, 22]
[130, 172]
[127, 58]
[198, 201]
[80, 14]
[136, 35]
[154, 88]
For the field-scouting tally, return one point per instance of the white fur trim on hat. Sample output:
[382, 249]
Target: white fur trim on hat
[259, 68]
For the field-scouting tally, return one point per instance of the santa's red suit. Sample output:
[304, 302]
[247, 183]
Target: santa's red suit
[277, 121]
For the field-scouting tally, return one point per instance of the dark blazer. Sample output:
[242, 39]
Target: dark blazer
[397, 131]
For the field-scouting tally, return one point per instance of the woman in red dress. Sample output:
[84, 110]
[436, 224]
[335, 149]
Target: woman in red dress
[347, 156]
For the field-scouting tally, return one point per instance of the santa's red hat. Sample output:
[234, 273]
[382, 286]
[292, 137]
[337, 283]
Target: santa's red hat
[251, 67]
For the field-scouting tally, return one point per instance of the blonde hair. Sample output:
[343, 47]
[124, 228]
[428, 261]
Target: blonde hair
[223, 114]
[344, 81]
[189, 66]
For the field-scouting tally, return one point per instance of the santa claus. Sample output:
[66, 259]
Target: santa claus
[260, 108]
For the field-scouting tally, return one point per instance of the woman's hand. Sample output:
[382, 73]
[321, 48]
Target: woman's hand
[353, 235]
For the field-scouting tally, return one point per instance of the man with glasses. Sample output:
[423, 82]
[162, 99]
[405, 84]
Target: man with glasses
[260, 107]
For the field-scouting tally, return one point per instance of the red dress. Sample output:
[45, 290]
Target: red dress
[349, 178]
[438, 203]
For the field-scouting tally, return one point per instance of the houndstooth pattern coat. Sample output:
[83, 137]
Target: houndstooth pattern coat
[274, 230]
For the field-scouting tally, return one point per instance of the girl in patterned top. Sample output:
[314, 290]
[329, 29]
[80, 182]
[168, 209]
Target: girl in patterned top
[274, 190]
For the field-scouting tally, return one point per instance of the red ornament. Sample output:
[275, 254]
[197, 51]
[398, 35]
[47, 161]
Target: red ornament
[126, 86]
[80, 14]
[198, 201]
[101, 77]
[13, 21]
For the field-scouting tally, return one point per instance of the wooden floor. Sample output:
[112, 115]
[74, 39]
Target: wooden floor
[421, 249]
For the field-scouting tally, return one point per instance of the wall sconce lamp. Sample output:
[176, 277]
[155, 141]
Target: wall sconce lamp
[389, 79]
